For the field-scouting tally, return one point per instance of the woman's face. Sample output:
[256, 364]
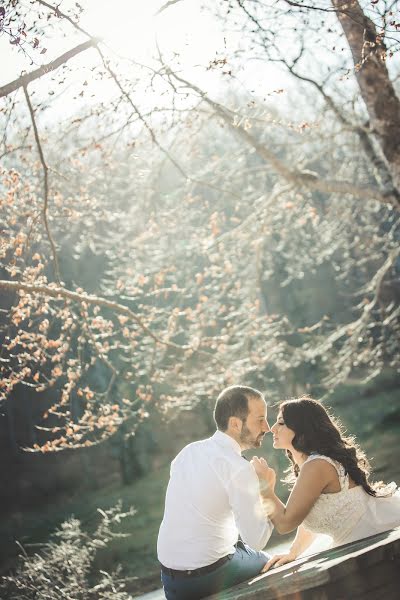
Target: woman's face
[282, 435]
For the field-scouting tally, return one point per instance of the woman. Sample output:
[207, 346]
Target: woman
[331, 492]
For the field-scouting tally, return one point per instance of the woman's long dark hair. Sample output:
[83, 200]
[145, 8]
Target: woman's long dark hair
[317, 432]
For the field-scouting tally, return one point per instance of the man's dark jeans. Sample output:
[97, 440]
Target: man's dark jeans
[244, 564]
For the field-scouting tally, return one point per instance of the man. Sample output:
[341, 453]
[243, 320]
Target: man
[213, 496]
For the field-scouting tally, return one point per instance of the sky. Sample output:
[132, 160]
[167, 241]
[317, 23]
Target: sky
[131, 29]
[134, 28]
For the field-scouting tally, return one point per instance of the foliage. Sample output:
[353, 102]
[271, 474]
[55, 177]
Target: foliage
[64, 567]
[165, 240]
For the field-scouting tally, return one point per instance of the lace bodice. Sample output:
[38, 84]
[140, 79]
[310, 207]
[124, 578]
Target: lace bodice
[336, 514]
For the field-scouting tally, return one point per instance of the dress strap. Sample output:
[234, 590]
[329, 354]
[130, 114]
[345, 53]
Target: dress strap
[342, 475]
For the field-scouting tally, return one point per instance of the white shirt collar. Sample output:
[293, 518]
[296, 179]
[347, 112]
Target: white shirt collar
[223, 439]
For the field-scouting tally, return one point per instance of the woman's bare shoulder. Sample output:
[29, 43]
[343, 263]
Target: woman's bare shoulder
[319, 464]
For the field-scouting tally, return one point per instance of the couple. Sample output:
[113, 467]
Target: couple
[220, 509]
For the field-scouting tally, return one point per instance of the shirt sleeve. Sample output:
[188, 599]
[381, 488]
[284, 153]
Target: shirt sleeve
[254, 526]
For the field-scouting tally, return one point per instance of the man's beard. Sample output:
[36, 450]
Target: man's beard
[247, 439]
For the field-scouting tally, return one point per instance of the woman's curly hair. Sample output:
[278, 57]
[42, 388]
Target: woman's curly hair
[319, 433]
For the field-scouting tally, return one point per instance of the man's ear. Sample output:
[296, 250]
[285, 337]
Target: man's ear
[235, 424]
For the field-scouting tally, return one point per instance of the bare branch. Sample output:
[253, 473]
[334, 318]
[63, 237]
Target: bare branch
[126, 95]
[45, 187]
[24, 80]
[306, 6]
[60, 292]
[167, 5]
[305, 179]
[353, 331]
[383, 172]
[14, 149]
[260, 207]
[61, 15]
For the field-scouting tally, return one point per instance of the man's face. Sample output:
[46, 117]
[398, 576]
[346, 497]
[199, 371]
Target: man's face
[255, 426]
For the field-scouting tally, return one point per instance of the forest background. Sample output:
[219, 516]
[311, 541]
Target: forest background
[192, 195]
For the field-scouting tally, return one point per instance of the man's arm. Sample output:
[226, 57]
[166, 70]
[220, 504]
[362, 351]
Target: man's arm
[254, 526]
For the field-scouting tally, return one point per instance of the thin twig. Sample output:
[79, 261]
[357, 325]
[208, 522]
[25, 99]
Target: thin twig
[61, 292]
[45, 187]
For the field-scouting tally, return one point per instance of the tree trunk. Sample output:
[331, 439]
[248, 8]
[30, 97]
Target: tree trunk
[369, 55]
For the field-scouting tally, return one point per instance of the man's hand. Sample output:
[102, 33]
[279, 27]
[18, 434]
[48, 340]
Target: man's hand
[264, 472]
[278, 560]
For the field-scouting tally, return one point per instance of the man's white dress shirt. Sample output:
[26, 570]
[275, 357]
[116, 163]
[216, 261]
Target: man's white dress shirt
[212, 497]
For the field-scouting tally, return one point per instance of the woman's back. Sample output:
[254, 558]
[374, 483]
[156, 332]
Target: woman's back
[351, 513]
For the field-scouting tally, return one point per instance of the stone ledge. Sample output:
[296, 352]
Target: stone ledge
[364, 570]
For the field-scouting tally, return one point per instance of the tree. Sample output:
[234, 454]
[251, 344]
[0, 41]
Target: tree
[135, 277]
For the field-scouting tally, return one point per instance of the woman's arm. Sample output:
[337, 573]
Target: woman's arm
[313, 478]
[304, 538]
[301, 542]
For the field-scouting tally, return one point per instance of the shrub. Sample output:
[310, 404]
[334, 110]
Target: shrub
[64, 567]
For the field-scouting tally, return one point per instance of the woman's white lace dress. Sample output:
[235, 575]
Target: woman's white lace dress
[352, 514]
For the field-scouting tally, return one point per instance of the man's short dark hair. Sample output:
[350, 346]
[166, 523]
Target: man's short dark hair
[234, 402]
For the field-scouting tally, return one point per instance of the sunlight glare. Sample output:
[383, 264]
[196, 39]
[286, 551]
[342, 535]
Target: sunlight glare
[133, 28]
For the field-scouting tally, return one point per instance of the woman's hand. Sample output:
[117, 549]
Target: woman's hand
[264, 472]
[278, 560]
